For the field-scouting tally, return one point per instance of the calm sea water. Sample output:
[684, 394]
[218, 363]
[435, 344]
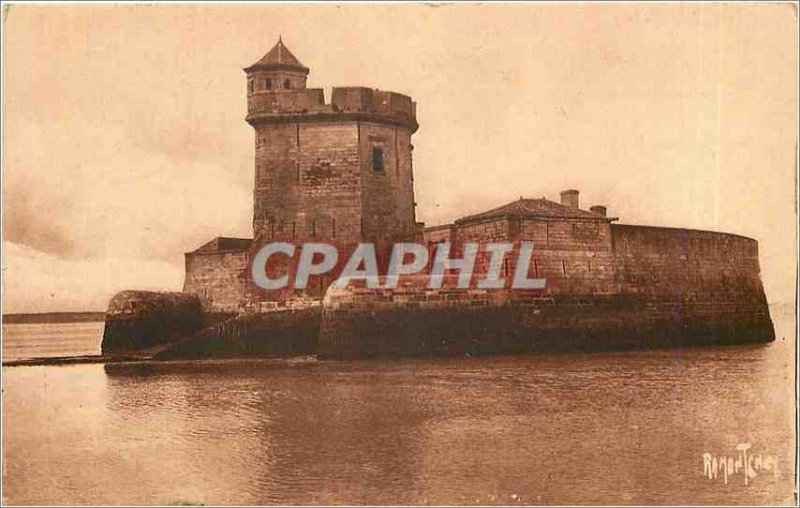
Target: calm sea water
[51, 339]
[625, 428]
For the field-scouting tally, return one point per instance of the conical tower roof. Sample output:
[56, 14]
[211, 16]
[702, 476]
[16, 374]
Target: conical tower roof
[279, 58]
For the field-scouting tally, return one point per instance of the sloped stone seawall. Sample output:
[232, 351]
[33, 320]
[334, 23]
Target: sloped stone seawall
[278, 332]
[414, 321]
[655, 287]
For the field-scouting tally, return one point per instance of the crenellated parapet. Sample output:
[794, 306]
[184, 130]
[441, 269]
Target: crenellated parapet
[284, 102]
[367, 100]
[347, 103]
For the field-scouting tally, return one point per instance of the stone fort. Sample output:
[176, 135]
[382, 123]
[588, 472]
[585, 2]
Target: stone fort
[338, 172]
[342, 172]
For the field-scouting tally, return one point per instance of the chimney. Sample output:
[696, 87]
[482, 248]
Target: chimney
[569, 198]
[598, 209]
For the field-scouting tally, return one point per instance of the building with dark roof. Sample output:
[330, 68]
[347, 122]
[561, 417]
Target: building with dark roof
[566, 238]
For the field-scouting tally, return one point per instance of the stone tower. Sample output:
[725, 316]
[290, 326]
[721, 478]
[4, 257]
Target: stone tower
[337, 171]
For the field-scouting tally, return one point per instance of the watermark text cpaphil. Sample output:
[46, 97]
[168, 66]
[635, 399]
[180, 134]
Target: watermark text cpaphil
[317, 259]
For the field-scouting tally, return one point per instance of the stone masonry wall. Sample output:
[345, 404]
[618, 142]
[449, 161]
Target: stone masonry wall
[315, 181]
[218, 279]
[662, 287]
[284, 101]
[574, 256]
[387, 195]
[687, 264]
[438, 234]
[413, 320]
[655, 287]
[307, 183]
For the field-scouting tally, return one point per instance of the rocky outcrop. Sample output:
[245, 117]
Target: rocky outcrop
[138, 320]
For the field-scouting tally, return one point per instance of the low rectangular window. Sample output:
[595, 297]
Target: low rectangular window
[377, 159]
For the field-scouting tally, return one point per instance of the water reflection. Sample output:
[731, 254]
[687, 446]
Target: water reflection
[604, 428]
[303, 434]
[537, 429]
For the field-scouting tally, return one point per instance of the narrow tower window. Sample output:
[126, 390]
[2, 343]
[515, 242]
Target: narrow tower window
[250, 85]
[286, 83]
[377, 159]
[268, 83]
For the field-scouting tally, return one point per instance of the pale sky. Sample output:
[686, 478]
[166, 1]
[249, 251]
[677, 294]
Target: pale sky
[125, 143]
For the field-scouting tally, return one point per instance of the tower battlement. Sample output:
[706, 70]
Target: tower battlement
[337, 170]
[277, 93]
[347, 103]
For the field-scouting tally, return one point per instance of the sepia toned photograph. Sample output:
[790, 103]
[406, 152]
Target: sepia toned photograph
[538, 254]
